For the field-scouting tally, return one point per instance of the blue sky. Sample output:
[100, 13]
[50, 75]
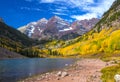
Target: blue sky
[17, 13]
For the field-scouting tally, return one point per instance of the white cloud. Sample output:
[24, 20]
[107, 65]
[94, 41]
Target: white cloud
[57, 13]
[69, 2]
[47, 1]
[33, 9]
[94, 11]
[37, 9]
[85, 16]
[101, 8]
[25, 8]
[61, 9]
[93, 8]
[79, 3]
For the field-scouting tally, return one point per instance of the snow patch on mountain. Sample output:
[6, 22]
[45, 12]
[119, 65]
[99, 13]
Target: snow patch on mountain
[66, 29]
[30, 31]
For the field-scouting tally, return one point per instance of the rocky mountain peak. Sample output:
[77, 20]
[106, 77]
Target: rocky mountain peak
[56, 27]
[43, 20]
[56, 24]
[57, 17]
[85, 24]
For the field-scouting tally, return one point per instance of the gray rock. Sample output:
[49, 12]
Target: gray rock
[64, 74]
[117, 78]
[59, 73]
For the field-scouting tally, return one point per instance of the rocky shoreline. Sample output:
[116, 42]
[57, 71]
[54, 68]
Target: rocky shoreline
[84, 70]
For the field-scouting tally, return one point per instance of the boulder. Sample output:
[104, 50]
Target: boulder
[59, 73]
[117, 78]
[64, 74]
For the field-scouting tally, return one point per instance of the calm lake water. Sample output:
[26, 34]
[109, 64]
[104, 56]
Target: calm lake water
[12, 70]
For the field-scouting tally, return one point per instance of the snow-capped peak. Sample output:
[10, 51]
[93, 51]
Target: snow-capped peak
[44, 20]
[30, 31]
[66, 29]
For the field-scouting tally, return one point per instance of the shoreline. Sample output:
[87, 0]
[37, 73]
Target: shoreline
[83, 70]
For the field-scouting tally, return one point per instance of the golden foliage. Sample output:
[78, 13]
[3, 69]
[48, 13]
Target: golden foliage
[106, 41]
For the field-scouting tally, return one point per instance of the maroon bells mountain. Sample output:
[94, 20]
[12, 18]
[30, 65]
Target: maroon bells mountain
[57, 28]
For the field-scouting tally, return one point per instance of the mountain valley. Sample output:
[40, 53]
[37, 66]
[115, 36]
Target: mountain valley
[58, 38]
